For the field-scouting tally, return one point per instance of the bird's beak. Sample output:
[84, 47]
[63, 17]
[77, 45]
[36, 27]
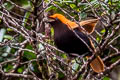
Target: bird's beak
[49, 20]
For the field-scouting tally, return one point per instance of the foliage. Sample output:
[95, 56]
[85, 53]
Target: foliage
[27, 49]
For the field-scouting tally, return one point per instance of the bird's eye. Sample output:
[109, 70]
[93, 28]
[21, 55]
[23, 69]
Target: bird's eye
[56, 18]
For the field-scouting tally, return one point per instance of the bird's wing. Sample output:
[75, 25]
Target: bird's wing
[89, 25]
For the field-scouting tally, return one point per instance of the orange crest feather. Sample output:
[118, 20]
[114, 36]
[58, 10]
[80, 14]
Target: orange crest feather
[64, 20]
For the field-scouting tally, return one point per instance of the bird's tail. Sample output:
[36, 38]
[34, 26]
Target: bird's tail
[97, 65]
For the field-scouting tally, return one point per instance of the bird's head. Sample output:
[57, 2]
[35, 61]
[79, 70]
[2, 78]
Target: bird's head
[56, 17]
[60, 19]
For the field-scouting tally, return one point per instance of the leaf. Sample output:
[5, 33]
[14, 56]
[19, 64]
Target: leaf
[25, 19]
[106, 78]
[83, 15]
[7, 51]
[52, 31]
[61, 75]
[8, 37]
[1, 59]
[21, 38]
[73, 6]
[9, 29]
[102, 31]
[2, 33]
[98, 38]
[75, 66]
[41, 47]
[4, 54]
[8, 6]
[34, 67]
[51, 8]
[8, 67]
[29, 55]
[20, 70]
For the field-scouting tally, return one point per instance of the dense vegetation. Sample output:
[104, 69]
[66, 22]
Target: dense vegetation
[27, 49]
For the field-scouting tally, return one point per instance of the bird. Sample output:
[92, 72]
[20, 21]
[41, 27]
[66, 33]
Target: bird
[70, 38]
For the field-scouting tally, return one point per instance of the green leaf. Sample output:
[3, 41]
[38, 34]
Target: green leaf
[52, 31]
[75, 66]
[2, 33]
[9, 29]
[20, 70]
[29, 55]
[25, 19]
[51, 8]
[115, 59]
[8, 5]
[41, 47]
[4, 54]
[73, 6]
[8, 49]
[1, 59]
[106, 78]
[98, 38]
[8, 67]
[34, 67]
[21, 38]
[83, 15]
[8, 37]
[61, 75]
[102, 31]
